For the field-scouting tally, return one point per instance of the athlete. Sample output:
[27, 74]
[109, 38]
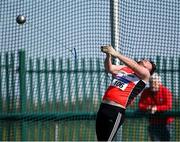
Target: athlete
[128, 81]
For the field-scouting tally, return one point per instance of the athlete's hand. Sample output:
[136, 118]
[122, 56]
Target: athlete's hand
[105, 49]
[108, 49]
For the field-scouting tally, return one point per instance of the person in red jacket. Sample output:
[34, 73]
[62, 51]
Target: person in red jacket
[157, 98]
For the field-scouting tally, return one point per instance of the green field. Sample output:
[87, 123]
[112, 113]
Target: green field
[134, 129]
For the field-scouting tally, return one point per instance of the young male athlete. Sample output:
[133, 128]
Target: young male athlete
[128, 81]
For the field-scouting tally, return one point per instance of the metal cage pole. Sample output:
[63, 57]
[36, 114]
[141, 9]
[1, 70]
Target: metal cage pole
[114, 10]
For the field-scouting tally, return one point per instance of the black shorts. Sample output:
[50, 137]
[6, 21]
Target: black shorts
[109, 119]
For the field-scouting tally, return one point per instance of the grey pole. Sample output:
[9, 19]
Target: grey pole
[115, 28]
[114, 9]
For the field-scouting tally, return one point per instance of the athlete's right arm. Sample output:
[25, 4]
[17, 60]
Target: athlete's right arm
[110, 68]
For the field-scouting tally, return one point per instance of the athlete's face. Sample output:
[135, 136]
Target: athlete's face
[146, 64]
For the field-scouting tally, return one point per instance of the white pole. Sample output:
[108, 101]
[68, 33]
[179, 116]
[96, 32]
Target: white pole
[115, 28]
[115, 25]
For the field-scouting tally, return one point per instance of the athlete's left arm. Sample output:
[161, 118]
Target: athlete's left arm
[110, 68]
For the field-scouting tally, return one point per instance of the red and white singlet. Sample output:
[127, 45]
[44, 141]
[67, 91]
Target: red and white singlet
[124, 88]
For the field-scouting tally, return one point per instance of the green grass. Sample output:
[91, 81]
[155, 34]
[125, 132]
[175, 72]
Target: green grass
[78, 130]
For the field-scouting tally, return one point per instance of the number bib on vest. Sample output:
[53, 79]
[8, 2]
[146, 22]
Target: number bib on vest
[120, 84]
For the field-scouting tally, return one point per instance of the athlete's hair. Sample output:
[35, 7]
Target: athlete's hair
[153, 67]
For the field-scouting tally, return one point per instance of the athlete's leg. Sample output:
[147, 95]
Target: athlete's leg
[109, 119]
